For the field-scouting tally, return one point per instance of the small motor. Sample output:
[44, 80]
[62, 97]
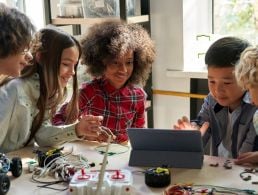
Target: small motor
[44, 158]
[157, 177]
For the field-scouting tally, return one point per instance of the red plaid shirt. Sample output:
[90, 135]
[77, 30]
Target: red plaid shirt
[121, 108]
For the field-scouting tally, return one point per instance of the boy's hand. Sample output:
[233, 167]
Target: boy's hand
[248, 157]
[185, 124]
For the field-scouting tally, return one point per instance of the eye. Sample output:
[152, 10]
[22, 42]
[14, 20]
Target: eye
[129, 62]
[114, 62]
[65, 64]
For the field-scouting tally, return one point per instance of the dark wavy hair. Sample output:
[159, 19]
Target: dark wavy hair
[16, 31]
[110, 39]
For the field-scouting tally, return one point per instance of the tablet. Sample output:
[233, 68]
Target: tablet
[173, 148]
[165, 139]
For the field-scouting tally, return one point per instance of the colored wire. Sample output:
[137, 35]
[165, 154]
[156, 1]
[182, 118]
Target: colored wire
[185, 189]
[114, 149]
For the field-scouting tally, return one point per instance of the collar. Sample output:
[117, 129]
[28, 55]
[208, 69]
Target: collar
[110, 89]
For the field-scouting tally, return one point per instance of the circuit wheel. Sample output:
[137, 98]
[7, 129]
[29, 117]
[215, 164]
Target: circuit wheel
[16, 166]
[4, 183]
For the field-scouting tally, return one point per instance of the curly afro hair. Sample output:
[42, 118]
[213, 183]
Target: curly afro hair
[110, 39]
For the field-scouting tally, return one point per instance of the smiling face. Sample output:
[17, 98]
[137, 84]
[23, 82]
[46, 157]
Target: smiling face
[223, 87]
[12, 65]
[119, 70]
[69, 60]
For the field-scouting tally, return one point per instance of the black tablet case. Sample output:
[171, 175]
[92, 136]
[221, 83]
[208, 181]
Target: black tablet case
[165, 147]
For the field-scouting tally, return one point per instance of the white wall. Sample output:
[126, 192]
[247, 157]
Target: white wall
[36, 12]
[197, 20]
[174, 25]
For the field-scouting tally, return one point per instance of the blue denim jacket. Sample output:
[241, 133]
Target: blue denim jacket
[243, 135]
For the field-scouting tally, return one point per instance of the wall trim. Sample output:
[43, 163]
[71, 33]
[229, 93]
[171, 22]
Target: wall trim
[177, 93]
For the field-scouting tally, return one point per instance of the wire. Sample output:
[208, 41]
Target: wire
[114, 149]
[61, 168]
[205, 189]
[222, 189]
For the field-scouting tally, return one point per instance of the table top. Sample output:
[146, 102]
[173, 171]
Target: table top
[208, 175]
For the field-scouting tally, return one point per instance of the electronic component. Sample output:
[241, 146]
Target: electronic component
[44, 158]
[115, 182]
[157, 177]
[14, 165]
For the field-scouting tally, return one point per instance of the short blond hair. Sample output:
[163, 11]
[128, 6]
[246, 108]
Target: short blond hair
[247, 69]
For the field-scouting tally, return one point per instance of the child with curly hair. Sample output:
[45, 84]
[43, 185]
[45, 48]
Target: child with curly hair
[15, 36]
[247, 78]
[119, 57]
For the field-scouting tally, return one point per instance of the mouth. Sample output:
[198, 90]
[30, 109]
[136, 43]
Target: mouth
[121, 76]
[22, 65]
[221, 99]
[65, 79]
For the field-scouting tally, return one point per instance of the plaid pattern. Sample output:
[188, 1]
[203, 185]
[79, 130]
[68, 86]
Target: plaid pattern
[121, 109]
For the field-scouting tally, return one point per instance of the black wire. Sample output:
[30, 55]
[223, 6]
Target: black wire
[53, 183]
[49, 183]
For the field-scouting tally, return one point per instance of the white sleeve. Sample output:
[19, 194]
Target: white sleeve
[8, 98]
[50, 135]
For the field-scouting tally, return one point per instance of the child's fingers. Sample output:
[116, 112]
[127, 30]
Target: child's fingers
[185, 119]
[204, 127]
[92, 118]
[107, 132]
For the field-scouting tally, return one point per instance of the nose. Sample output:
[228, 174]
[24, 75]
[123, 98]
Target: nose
[219, 87]
[72, 70]
[122, 67]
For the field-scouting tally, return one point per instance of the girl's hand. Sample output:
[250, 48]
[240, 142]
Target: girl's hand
[102, 136]
[105, 133]
[89, 126]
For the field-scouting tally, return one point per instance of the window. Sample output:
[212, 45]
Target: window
[33, 9]
[236, 17]
[19, 4]
[225, 18]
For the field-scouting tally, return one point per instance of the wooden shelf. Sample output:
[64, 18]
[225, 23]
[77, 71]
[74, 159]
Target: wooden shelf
[91, 21]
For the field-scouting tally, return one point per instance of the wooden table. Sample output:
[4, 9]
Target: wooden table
[218, 176]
